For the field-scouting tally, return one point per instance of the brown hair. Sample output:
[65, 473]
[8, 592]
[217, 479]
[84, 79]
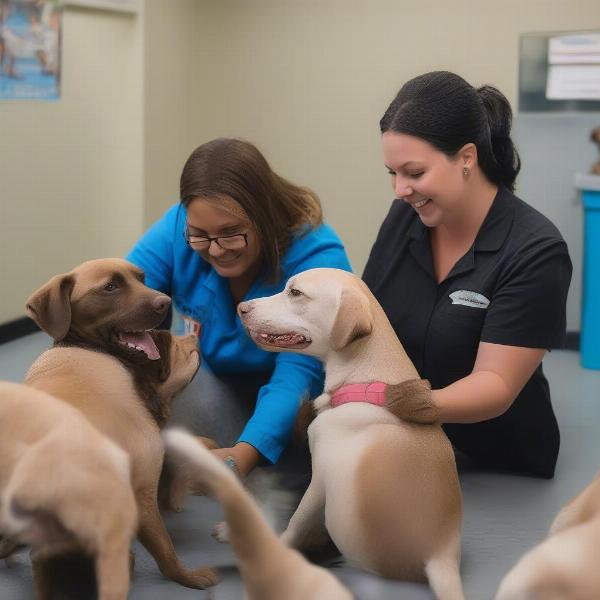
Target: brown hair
[278, 209]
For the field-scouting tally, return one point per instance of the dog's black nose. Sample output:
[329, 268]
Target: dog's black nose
[161, 303]
[244, 307]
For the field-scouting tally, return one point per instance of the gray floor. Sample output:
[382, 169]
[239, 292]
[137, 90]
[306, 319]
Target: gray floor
[504, 514]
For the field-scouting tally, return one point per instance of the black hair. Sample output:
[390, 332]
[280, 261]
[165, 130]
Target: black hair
[443, 109]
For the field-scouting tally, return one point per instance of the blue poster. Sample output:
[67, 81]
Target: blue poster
[30, 35]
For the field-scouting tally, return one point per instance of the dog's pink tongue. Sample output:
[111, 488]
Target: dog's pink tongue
[143, 340]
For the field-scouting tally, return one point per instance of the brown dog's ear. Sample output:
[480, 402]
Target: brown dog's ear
[353, 321]
[50, 306]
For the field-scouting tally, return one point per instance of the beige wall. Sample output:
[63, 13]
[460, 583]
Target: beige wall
[71, 171]
[171, 76]
[307, 80]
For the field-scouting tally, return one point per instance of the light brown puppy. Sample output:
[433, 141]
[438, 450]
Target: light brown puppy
[270, 570]
[387, 490]
[63, 487]
[565, 565]
[120, 376]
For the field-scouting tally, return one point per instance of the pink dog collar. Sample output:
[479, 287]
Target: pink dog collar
[373, 393]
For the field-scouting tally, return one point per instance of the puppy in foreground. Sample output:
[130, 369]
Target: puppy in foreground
[565, 565]
[64, 487]
[270, 570]
[386, 489]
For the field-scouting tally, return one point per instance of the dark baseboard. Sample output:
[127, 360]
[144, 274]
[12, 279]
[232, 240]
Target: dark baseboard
[572, 340]
[16, 329]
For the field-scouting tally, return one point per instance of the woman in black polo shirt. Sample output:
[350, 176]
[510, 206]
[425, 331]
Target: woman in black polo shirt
[473, 280]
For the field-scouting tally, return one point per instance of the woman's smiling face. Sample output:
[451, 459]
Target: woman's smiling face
[215, 218]
[424, 177]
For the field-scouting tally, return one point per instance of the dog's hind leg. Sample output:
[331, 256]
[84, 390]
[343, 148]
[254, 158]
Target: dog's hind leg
[443, 572]
[308, 518]
[153, 535]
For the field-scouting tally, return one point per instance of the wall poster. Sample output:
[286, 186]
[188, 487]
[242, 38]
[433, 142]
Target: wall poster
[30, 58]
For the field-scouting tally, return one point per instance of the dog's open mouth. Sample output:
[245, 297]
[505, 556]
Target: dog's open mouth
[141, 341]
[281, 340]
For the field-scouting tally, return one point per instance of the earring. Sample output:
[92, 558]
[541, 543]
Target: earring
[465, 171]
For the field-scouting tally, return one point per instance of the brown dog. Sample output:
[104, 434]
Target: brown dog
[106, 363]
[63, 487]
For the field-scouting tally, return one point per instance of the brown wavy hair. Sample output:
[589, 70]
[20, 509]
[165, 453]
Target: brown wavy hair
[278, 209]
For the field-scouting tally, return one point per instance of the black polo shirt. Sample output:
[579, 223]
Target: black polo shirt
[510, 288]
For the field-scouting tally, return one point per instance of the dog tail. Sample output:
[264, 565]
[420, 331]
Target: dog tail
[249, 532]
[443, 573]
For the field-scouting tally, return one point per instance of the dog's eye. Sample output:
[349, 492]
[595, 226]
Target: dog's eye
[111, 286]
[295, 292]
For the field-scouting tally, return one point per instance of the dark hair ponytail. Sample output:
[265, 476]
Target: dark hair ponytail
[505, 163]
[443, 109]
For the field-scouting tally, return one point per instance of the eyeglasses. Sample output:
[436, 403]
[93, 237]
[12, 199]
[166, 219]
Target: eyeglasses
[227, 242]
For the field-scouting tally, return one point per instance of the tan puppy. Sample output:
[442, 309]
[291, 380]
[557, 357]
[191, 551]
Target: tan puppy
[386, 490]
[63, 487]
[120, 376]
[565, 565]
[270, 570]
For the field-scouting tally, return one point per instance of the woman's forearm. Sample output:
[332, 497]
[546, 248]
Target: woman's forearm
[478, 397]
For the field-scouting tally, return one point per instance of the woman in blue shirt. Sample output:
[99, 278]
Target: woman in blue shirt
[240, 232]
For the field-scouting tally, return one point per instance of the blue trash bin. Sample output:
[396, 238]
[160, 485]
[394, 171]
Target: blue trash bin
[590, 297]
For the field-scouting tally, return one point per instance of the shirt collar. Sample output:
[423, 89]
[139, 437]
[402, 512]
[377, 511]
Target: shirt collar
[497, 223]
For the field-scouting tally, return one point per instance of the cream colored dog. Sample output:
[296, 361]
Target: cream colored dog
[64, 487]
[386, 490]
[270, 570]
[565, 565]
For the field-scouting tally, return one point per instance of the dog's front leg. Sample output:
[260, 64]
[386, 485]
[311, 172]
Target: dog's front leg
[154, 537]
[308, 518]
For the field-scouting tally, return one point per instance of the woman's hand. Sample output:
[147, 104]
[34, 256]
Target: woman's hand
[412, 401]
[245, 456]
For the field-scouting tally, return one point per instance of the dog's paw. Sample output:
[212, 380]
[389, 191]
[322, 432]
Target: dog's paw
[221, 532]
[199, 578]
[207, 577]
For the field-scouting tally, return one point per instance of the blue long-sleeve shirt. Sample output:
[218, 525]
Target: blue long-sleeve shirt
[201, 294]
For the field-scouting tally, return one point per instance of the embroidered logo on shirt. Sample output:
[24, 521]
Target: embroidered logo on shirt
[187, 320]
[191, 326]
[467, 298]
